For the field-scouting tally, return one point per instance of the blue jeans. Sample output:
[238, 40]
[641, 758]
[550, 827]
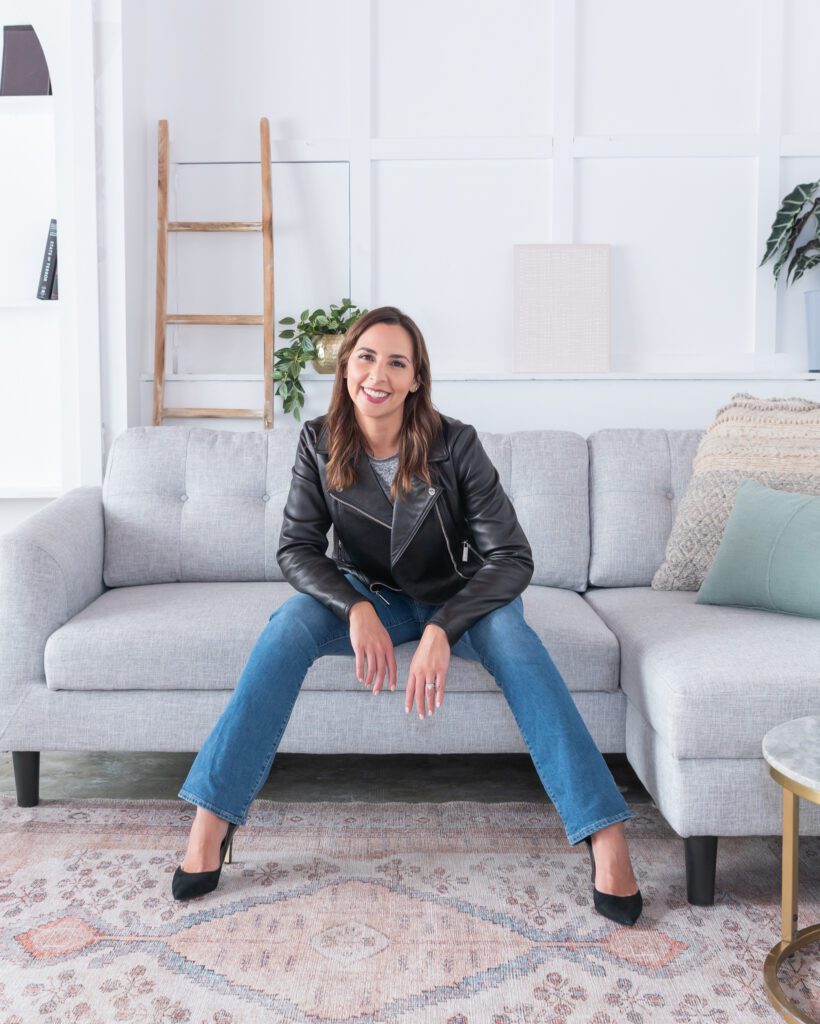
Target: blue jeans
[237, 755]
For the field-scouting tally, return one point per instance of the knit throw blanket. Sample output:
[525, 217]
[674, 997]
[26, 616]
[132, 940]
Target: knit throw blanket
[773, 440]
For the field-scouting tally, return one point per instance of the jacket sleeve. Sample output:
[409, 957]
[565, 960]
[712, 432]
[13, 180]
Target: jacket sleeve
[303, 538]
[508, 565]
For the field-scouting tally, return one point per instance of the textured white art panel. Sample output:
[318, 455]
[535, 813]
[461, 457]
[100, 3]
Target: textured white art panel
[561, 308]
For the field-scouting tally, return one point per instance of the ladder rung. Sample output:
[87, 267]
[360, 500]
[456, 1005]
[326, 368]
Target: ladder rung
[191, 413]
[214, 225]
[206, 318]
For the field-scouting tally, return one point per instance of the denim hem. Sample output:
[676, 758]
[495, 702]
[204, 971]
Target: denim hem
[596, 826]
[186, 795]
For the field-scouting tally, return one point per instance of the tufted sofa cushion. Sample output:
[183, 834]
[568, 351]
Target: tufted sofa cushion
[636, 481]
[190, 504]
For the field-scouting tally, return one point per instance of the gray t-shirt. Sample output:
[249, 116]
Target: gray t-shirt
[385, 471]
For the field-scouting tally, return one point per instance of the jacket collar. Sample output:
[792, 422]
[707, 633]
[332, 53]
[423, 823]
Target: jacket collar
[367, 496]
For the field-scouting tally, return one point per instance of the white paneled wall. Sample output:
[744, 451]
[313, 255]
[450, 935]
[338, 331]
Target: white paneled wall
[461, 69]
[682, 233]
[454, 222]
[654, 68]
[415, 144]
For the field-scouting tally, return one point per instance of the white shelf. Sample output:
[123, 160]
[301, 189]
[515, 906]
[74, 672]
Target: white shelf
[190, 378]
[26, 303]
[10, 105]
[37, 491]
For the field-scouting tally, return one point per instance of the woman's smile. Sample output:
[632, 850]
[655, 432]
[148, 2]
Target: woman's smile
[375, 396]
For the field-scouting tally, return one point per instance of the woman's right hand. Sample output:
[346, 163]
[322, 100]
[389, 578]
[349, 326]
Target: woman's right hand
[371, 643]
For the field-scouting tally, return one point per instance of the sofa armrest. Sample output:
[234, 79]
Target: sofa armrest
[51, 567]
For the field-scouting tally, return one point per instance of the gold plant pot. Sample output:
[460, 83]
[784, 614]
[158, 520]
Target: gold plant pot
[327, 345]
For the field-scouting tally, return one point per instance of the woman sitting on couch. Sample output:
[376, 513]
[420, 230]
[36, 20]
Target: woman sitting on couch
[418, 512]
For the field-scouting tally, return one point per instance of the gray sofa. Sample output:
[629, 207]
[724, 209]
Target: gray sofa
[128, 612]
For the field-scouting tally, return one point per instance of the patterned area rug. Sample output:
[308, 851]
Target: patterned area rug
[334, 913]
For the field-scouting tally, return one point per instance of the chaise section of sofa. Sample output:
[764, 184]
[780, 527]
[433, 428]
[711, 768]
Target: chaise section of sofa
[702, 683]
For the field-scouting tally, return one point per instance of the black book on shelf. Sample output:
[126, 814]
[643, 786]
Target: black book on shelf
[25, 71]
[49, 263]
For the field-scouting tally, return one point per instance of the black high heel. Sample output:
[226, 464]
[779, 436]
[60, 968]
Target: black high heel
[621, 909]
[185, 885]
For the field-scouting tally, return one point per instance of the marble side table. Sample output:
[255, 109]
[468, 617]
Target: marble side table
[792, 753]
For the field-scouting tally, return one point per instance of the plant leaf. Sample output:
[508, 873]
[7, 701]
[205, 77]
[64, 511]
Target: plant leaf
[786, 220]
[805, 257]
[794, 235]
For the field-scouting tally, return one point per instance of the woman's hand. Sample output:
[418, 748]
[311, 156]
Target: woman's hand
[429, 665]
[371, 642]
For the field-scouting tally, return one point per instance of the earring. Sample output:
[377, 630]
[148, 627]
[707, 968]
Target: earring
[415, 387]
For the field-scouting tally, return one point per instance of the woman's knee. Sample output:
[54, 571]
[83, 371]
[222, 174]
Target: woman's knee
[304, 613]
[500, 621]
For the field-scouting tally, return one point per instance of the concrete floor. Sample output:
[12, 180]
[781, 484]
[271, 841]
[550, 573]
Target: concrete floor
[306, 777]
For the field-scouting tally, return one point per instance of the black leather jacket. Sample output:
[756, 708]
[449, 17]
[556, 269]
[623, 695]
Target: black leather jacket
[457, 543]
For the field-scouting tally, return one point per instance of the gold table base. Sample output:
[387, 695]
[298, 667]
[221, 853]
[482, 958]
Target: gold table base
[791, 939]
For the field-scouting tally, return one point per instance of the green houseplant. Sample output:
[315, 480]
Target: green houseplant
[309, 341]
[797, 209]
[790, 220]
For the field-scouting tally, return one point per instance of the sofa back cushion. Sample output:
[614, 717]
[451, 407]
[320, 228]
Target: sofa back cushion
[545, 474]
[188, 504]
[636, 481]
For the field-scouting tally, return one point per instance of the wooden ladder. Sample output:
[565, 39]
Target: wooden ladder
[163, 318]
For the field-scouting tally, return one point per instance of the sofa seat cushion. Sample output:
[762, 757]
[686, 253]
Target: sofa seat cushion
[197, 636]
[711, 680]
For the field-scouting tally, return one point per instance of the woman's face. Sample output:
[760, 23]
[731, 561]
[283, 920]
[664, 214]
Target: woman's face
[380, 372]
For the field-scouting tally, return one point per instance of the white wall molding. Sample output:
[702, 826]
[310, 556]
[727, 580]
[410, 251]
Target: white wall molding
[361, 265]
[768, 170]
[564, 74]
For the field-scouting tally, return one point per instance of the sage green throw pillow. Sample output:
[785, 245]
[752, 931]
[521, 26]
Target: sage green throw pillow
[769, 557]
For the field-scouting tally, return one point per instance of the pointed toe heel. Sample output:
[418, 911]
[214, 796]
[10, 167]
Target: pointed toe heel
[620, 909]
[186, 885]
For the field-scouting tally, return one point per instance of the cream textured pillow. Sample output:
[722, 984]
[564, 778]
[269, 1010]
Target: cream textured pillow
[773, 440]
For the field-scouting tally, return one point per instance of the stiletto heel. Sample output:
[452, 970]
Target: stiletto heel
[621, 909]
[185, 885]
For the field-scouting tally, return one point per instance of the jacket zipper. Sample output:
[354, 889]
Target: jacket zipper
[449, 549]
[375, 583]
[361, 512]
[467, 544]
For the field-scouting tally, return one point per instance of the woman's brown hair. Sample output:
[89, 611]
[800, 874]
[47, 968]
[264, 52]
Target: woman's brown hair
[421, 423]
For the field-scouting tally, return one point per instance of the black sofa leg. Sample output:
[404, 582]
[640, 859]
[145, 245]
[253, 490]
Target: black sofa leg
[701, 861]
[27, 776]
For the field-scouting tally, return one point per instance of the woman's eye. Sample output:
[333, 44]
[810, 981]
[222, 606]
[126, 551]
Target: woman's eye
[396, 363]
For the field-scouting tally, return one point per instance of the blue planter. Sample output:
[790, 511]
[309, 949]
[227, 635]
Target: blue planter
[813, 329]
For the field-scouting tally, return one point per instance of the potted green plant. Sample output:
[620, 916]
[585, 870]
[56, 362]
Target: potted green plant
[798, 207]
[317, 337]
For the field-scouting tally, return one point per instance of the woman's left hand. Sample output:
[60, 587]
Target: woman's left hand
[429, 665]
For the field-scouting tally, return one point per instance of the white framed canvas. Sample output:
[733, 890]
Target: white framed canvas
[561, 303]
